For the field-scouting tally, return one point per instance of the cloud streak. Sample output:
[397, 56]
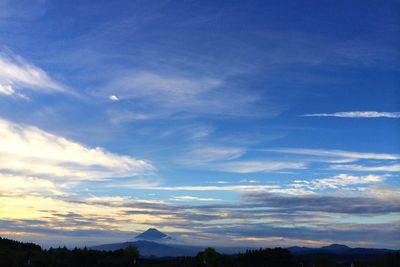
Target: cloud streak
[193, 198]
[260, 166]
[336, 153]
[362, 168]
[201, 155]
[357, 114]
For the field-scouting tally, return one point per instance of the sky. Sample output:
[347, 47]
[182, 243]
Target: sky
[241, 123]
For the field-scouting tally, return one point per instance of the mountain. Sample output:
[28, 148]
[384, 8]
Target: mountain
[153, 234]
[338, 249]
[153, 249]
[8, 244]
[341, 253]
[153, 243]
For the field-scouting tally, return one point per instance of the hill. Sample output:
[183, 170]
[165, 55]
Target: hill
[8, 244]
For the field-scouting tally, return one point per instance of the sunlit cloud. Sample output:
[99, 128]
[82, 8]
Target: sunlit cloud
[28, 150]
[15, 185]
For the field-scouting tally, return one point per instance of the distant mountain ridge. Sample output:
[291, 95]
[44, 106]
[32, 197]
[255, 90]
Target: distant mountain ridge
[338, 249]
[151, 243]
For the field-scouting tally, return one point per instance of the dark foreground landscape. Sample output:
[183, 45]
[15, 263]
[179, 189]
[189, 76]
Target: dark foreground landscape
[14, 253]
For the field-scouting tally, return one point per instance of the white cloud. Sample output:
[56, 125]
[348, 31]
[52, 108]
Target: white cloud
[113, 98]
[117, 201]
[235, 188]
[18, 74]
[192, 198]
[30, 151]
[385, 193]
[16, 185]
[6, 89]
[260, 166]
[362, 168]
[336, 153]
[215, 188]
[337, 181]
[249, 181]
[357, 114]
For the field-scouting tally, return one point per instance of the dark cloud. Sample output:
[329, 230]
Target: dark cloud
[333, 204]
[43, 227]
[382, 233]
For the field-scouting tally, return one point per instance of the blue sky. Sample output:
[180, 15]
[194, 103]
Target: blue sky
[259, 123]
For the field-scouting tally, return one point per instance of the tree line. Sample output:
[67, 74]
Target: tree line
[18, 254]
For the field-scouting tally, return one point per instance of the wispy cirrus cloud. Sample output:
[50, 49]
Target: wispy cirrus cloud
[228, 159]
[30, 151]
[363, 168]
[214, 188]
[177, 93]
[337, 153]
[201, 155]
[233, 188]
[117, 117]
[357, 114]
[193, 198]
[261, 166]
[17, 74]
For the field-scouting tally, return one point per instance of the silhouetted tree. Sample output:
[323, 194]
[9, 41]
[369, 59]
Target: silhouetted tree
[209, 257]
